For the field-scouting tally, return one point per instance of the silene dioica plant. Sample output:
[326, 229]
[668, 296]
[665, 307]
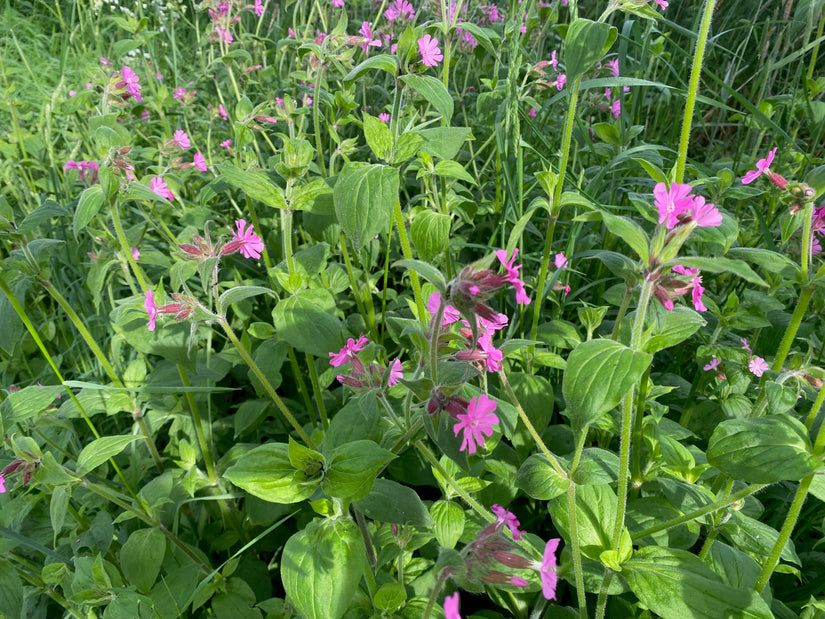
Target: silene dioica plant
[340, 308]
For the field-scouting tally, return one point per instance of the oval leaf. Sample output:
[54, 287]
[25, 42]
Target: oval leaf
[434, 91]
[267, 473]
[364, 197]
[762, 450]
[99, 450]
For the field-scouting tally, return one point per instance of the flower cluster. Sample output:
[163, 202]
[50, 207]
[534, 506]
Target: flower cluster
[361, 377]
[677, 206]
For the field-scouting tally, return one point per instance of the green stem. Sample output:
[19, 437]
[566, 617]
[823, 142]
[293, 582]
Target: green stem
[279, 403]
[793, 328]
[316, 390]
[286, 232]
[555, 207]
[530, 428]
[693, 88]
[198, 425]
[698, 513]
[442, 578]
[601, 601]
[430, 456]
[815, 409]
[808, 213]
[407, 253]
[575, 549]
[636, 439]
[622, 311]
[143, 281]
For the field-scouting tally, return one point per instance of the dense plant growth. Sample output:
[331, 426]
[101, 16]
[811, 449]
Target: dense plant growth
[342, 308]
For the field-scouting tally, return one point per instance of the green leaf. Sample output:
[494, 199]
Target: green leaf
[255, 184]
[28, 402]
[733, 566]
[596, 467]
[352, 468]
[630, 232]
[381, 62]
[595, 515]
[448, 518]
[675, 584]
[390, 596]
[599, 373]
[99, 450]
[307, 327]
[58, 507]
[720, 265]
[434, 91]
[757, 538]
[762, 450]
[389, 501]
[87, 207]
[539, 480]
[142, 556]
[770, 261]
[378, 135]
[406, 147]
[425, 270]
[585, 43]
[453, 169]
[141, 193]
[671, 327]
[239, 293]
[321, 567]
[364, 197]
[430, 232]
[444, 142]
[11, 591]
[267, 473]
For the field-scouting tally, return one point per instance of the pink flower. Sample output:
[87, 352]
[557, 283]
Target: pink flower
[672, 202]
[704, 213]
[226, 143]
[222, 112]
[151, 309]
[396, 373]
[132, 82]
[757, 365]
[338, 3]
[561, 80]
[745, 345]
[477, 423]
[762, 166]
[259, 8]
[135, 254]
[399, 8]
[347, 353]
[384, 117]
[560, 261]
[181, 139]
[450, 315]
[513, 275]
[72, 93]
[451, 607]
[508, 518]
[685, 271]
[104, 61]
[366, 32]
[493, 356]
[714, 363]
[3, 488]
[662, 3]
[696, 294]
[616, 108]
[158, 185]
[554, 60]
[224, 35]
[200, 162]
[547, 570]
[532, 112]
[430, 54]
[251, 244]
[613, 67]
[179, 94]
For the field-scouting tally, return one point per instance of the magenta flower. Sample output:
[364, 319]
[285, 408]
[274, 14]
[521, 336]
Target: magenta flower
[347, 353]
[3, 488]
[251, 244]
[151, 309]
[200, 162]
[179, 94]
[561, 80]
[745, 344]
[547, 571]
[613, 67]
[696, 294]
[222, 112]
[135, 254]
[762, 167]
[757, 365]
[430, 54]
[685, 271]
[181, 139]
[104, 61]
[704, 213]
[384, 117]
[399, 8]
[158, 185]
[560, 260]
[226, 144]
[714, 363]
[672, 202]
[662, 4]
[451, 607]
[508, 518]
[132, 82]
[396, 372]
[554, 61]
[477, 423]
[259, 8]
[450, 315]
[338, 3]
[513, 275]
[366, 32]
[616, 108]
